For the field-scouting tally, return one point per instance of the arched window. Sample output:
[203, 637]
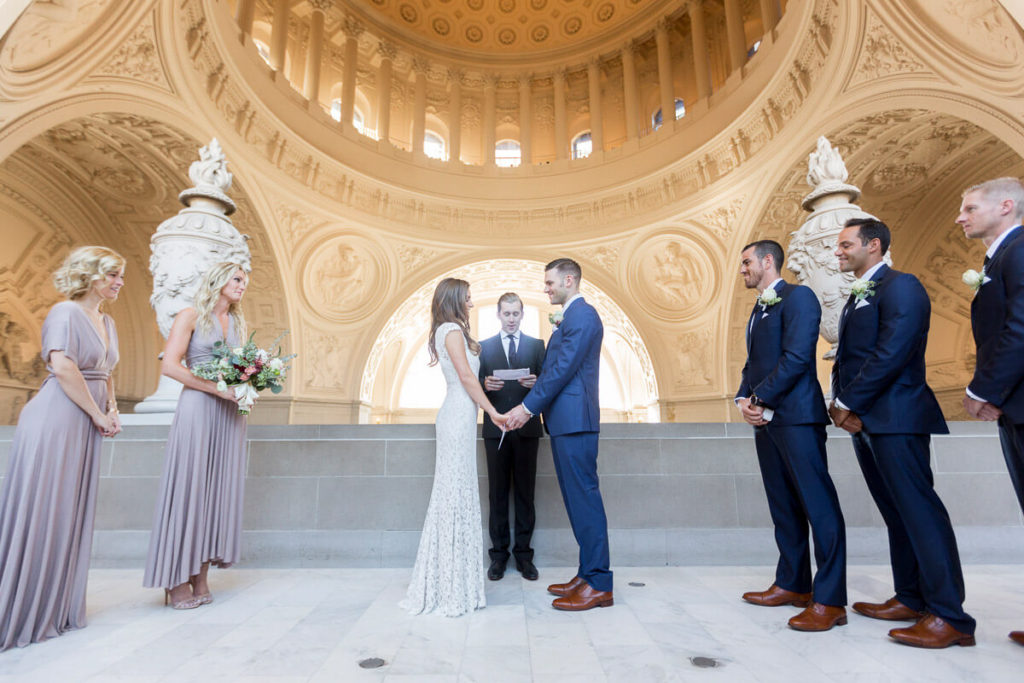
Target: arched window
[656, 119]
[507, 153]
[433, 145]
[582, 145]
[753, 49]
[262, 49]
[357, 116]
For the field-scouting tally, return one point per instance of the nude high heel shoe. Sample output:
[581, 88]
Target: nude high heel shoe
[187, 603]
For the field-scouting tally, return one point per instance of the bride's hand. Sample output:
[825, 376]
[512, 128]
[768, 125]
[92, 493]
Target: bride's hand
[499, 419]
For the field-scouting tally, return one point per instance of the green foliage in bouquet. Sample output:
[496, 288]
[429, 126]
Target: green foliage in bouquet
[247, 364]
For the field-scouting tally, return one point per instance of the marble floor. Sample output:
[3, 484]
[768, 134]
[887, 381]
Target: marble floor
[668, 624]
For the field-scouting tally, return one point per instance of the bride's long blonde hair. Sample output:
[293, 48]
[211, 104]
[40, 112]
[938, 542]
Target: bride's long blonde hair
[206, 296]
[449, 306]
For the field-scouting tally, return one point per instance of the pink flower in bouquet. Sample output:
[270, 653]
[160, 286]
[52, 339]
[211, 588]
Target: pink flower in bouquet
[251, 370]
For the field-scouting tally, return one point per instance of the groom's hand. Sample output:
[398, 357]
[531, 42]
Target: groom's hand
[517, 417]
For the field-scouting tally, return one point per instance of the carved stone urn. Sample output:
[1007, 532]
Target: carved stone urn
[812, 247]
[185, 246]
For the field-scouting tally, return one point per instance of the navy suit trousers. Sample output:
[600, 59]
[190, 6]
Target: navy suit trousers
[1011, 436]
[800, 492]
[575, 457]
[925, 561]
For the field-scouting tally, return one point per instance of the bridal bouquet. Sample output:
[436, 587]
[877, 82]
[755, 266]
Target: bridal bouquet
[247, 368]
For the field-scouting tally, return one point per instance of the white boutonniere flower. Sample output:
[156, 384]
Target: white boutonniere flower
[974, 279]
[862, 289]
[555, 318]
[768, 298]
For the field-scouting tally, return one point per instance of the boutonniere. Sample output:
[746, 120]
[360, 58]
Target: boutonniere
[555, 318]
[862, 289]
[974, 279]
[768, 298]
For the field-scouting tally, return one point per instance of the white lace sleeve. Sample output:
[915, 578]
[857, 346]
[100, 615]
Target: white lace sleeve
[439, 337]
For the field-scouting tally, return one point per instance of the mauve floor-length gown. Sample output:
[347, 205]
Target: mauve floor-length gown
[48, 502]
[198, 514]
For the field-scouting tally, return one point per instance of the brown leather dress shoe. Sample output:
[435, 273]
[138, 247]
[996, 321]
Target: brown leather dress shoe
[1017, 637]
[890, 610]
[775, 596]
[931, 632]
[584, 598]
[819, 617]
[563, 589]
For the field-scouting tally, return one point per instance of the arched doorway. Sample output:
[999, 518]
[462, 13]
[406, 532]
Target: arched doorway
[400, 387]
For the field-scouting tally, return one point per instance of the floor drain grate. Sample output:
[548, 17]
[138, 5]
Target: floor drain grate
[371, 663]
[637, 584]
[704, 662]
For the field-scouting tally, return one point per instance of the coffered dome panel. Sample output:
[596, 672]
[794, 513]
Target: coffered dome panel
[497, 26]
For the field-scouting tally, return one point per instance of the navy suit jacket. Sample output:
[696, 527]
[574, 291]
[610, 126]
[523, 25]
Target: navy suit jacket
[566, 391]
[781, 367]
[492, 356]
[997, 319]
[879, 372]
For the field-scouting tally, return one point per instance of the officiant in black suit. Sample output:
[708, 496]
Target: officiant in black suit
[514, 465]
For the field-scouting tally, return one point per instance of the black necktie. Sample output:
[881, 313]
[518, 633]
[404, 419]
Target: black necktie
[513, 359]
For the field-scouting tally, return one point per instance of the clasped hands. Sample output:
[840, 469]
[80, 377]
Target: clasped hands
[844, 419]
[752, 414]
[981, 410]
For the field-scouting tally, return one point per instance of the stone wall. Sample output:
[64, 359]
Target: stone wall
[676, 494]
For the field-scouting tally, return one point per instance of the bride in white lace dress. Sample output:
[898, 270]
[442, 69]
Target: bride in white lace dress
[448, 577]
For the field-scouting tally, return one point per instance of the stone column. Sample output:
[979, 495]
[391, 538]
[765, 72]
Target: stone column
[702, 72]
[596, 119]
[314, 54]
[455, 115]
[811, 251]
[487, 126]
[245, 14]
[666, 88]
[629, 96]
[769, 14]
[279, 34]
[353, 29]
[420, 68]
[525, 121]
[387, 52]
[736, 41]
[561, 125]
[186, 246]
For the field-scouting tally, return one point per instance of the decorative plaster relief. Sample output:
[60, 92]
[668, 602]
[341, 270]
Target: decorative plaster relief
[672, 276]
[47, 30]
[343, 276]
[695, 360]
[980, 29]
[138, 58]
[883, 54]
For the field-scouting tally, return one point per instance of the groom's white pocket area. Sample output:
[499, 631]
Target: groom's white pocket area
[862, 303]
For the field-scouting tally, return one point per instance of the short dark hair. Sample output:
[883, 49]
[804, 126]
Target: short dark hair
[871, 229]
[565, 266]
[509, 298]
[763, 248]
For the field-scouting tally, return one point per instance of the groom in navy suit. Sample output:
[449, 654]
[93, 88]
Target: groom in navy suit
[566, 393]
[992, 212]
[880, 396]
[780, 395]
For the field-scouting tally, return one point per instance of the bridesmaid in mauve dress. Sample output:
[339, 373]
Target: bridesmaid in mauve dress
[49, 494]
[198, 518]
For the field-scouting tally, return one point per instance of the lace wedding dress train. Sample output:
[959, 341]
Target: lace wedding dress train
[448, 577]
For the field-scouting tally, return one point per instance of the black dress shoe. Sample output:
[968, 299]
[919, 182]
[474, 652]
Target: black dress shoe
[497, 569]
[527, 569]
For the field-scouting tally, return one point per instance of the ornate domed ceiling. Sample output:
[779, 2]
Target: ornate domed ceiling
[510, 26]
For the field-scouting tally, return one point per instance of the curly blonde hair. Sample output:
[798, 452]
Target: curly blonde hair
[206, 296]
[84, 266]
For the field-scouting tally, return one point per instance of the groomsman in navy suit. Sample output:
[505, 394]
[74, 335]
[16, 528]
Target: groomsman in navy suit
[514, 464]
[780, 395]
[992, 212]
[566, 393]
[880, 396]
